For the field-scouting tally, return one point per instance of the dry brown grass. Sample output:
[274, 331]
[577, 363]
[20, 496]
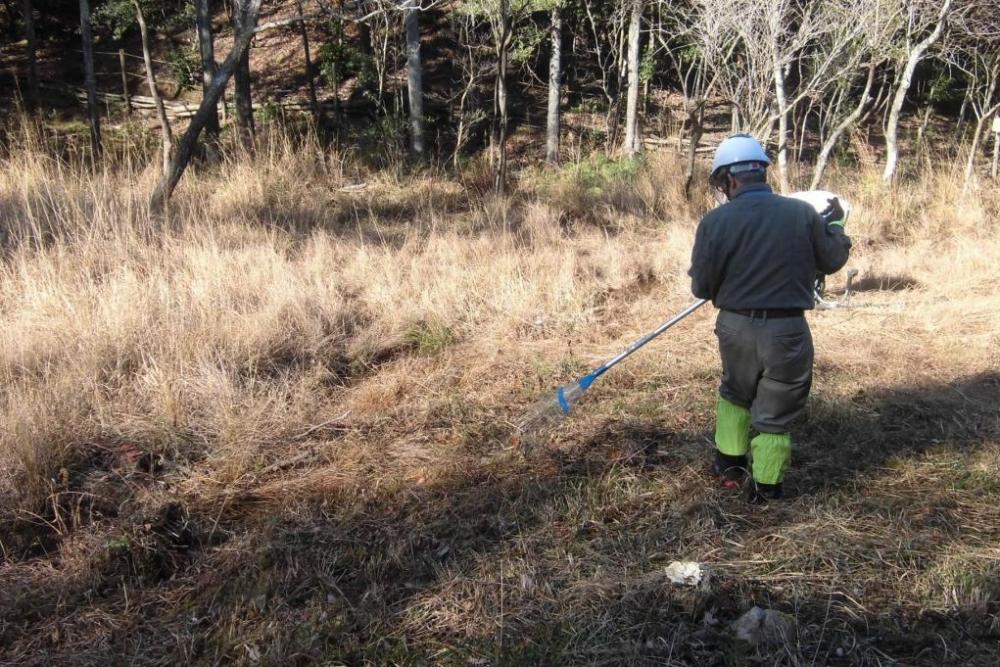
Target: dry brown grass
[272, 429]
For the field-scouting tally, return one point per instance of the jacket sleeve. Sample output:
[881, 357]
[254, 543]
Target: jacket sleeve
[831, 245]
[704, 276]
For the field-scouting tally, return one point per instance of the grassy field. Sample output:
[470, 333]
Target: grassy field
[274, 427]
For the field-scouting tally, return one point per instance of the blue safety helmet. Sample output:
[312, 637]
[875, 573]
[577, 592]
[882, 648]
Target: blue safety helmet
[738, 154]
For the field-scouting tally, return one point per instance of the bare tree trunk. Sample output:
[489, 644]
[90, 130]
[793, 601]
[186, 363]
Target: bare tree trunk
[697, 119]
[501, 172]
[166, 136]
[970, 162]
[803, 127]
[28, 10]
[633, 141]
[782, 100]
[922, 130]
[415, 81]
[981, 124]
[469, 85]
[368, 42]
[831, 142]
[984, 114]
[241, 81]
[500, 100]
[310, 75]
[960, 123]
[185, 148]
[996, 151]
[90, 80]
[555, 91]
[610, 79]
[206, 46]
[913, 59]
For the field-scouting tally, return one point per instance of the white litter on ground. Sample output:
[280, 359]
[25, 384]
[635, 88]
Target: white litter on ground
[686, 573]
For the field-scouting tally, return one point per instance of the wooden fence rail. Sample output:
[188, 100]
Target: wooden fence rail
[180, 110]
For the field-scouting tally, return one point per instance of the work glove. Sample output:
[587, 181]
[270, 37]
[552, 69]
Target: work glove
[834, 213]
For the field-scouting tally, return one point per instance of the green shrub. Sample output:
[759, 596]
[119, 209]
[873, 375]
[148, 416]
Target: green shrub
[429, 338]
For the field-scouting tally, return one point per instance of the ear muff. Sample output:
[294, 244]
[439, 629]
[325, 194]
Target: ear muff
[718, 177]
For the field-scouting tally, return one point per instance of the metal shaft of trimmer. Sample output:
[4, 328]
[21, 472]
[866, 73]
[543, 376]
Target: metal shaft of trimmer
[650, 336]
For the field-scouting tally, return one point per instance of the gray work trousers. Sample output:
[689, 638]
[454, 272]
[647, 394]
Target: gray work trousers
[766, 367]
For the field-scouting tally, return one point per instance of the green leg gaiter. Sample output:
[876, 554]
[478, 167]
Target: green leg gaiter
[732, 428]
[772, 452]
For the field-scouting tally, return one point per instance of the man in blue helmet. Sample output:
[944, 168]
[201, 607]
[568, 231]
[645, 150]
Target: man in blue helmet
[756, 258]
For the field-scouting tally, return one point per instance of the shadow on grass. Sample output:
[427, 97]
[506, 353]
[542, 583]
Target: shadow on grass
[362, 575]
[885, 283]
[841, 441]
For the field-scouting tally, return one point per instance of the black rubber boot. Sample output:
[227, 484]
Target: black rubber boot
[761, 494]
[731, 470]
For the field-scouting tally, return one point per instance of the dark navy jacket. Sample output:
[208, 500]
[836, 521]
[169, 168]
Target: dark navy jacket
[762, 250]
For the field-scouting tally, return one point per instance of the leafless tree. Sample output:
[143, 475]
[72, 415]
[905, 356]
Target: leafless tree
[382, 33]
[845, 109]
[996, 147]
[738, 59]
[501, 16]
[784, 45]
[608, 35]
[414, 77]
[986, 105]
[861, 32]
[694, 45]
[241, 78]
[786, 53]
[925, 22]
[474, 70]
[813, 39]
[185, 147]
[555, 87]
[166, 136]
[503, 35]
[310, 74]
[633, 140]
[976, 50]
[206, 48]
[28, 15]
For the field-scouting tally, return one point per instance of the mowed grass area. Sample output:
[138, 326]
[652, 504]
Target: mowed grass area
[274, 427]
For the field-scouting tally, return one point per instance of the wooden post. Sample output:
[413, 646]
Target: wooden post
[128, 101]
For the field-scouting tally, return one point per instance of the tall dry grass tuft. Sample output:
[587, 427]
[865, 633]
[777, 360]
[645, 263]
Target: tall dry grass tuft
[268, 282]
[237, 320]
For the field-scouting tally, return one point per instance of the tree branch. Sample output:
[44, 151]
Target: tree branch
[329, 12]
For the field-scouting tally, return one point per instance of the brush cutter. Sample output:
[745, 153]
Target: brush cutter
[549, 411]
[845, 302]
